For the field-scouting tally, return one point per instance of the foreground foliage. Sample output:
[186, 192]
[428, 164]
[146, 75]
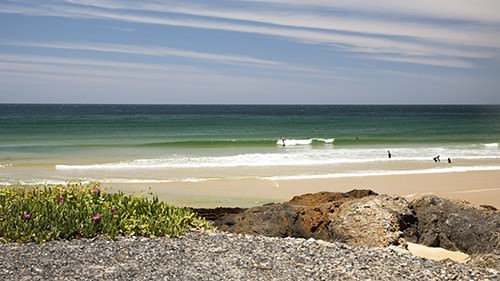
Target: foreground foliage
[46, 213]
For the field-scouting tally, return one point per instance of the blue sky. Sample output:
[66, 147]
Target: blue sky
[274, 51]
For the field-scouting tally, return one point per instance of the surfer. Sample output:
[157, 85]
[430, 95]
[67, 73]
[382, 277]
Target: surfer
[282, 141]
[389, 155]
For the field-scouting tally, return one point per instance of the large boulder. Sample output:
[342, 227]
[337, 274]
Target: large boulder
[361, 217]
[376, 221]
[456, 225]
[315, 199]
[356, 217]
[269, 220]
[459, 226]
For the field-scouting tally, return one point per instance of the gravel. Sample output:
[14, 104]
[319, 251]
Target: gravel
[201, 255]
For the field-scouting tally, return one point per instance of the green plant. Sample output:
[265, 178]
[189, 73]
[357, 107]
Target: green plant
[45, 213]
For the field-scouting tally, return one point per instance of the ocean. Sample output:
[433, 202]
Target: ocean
[145, 144]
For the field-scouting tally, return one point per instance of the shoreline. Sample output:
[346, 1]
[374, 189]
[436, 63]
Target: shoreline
[477, 187]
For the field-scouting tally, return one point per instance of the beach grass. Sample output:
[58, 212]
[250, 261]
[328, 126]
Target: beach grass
[43, 213]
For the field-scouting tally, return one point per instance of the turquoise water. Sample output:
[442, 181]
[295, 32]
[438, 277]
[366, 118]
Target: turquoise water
[178, 142]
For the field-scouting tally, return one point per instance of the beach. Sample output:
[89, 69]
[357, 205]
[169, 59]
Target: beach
[233, 155]
[479, 187]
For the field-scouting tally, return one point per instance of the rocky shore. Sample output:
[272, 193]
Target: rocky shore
[357, 235]
[362, 217]
[222, 256]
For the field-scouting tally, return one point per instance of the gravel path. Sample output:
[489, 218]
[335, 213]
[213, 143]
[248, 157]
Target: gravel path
[220, 256]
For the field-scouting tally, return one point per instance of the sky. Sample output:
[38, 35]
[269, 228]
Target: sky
[250, 51]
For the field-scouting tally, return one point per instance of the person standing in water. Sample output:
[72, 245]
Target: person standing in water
[389, 155]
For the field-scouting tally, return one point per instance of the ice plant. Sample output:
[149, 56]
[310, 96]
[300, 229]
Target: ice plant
[66, 212]
[26, 216]
[96, 217]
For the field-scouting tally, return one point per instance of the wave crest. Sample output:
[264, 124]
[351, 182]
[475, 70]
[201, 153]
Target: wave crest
[293, 142]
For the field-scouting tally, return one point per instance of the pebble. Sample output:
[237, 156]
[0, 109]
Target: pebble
[201, 255]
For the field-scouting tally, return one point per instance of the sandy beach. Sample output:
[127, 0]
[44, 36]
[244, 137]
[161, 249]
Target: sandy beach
[477, 187]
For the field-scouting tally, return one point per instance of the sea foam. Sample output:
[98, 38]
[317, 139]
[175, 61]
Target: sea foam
[460, 169]
[491, 145]
[292, 142]
[294, 156]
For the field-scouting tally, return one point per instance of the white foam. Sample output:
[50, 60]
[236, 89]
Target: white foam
[298, 156]
[292, 142]
[150, 181]
[324, 140]
[386, 173]
[491, 145]
[5, 165]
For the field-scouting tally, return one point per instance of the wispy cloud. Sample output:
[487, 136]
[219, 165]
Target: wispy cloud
[315, 20]
[370, 37]
[157, 51]
[426, 61]
[124, 29]
[47, 65]
[150, 80]
[52, 60]
[462, 10]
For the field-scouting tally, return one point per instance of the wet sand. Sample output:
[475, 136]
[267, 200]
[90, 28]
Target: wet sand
[478, 187]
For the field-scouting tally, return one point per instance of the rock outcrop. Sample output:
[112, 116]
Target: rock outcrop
[377, 221]
[458, 226]
[356, 217]
[361, 217]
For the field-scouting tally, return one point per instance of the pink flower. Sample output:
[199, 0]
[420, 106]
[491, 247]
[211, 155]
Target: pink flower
[61, 199]
[26, 216]
[114, 209]
[96, 191]
[96, 217]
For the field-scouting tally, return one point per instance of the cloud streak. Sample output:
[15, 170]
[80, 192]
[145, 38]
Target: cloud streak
[315, 20]
[482, 11]
[408, 41]
[156, 51]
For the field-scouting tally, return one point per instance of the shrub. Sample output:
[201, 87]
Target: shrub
[45, 213]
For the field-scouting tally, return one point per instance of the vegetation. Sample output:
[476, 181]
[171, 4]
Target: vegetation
[45, 213]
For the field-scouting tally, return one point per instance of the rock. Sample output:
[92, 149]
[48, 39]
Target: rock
[269, 220]
[361, 217]
[374, 221]
[217, 213]
[485, 261]
[315, 199]
[457, 225]
[356, 217]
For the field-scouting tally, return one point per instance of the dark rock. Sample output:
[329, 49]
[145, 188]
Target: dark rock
[488, 207]
[269, 220]
[457, 226]
[213, 214]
